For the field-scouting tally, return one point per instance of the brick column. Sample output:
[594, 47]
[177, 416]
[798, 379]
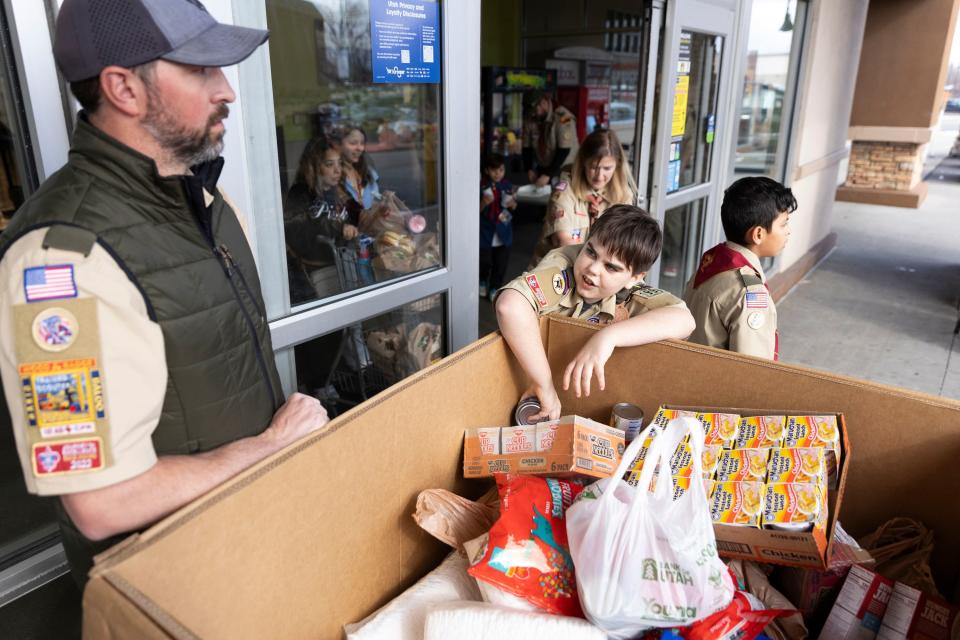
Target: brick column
[885, 165]
[898, 98]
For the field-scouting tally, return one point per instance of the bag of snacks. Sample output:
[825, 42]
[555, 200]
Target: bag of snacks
[647, 558]
[527, 552]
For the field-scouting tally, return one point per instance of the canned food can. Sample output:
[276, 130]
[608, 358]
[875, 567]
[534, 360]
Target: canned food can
[527, 408]
[628, 418]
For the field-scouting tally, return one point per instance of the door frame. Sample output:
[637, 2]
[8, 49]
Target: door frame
[713, 17]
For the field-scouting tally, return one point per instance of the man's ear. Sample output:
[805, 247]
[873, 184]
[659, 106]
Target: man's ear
[124, 90]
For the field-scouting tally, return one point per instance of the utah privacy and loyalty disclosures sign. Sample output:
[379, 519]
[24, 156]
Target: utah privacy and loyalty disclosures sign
[405, 41]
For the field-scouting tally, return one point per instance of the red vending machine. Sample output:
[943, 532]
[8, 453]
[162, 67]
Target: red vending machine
[590, 104]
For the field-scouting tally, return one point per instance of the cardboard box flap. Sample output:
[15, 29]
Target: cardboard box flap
[322, 534]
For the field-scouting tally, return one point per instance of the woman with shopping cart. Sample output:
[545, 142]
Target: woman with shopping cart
[319, 217]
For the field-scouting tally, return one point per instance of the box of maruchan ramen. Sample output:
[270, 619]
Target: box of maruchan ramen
[792, 518]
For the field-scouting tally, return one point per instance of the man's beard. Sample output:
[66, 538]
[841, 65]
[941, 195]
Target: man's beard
[185, 146]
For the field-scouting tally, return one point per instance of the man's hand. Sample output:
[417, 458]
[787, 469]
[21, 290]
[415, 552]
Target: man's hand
[349, 232]
[298, 416]
[543, 181]
[587, 363]
[531, 176]
[549, 402]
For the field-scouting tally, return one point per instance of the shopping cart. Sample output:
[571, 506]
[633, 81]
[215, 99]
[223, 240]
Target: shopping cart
[355, 371]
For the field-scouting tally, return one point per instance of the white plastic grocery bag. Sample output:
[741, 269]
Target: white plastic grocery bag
[644, 559]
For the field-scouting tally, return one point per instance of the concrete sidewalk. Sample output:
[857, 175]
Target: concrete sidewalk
[883, 305]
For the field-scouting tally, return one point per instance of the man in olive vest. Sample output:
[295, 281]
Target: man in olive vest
[135, 352]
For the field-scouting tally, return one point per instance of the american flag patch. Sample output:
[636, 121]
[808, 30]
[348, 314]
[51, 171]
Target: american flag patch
[757, 300]
[49, 283]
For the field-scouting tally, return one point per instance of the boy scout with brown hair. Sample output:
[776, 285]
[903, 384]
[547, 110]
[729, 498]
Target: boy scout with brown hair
[600, 282]
[728, 294]
[549, 138]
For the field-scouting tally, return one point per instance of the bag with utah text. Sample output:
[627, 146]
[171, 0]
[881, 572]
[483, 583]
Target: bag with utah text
[648, 558]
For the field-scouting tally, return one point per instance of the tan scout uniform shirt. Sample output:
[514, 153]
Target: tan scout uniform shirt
[83, 367]
[557, 131]
[551, 289]
[726, 318]
[568, 213]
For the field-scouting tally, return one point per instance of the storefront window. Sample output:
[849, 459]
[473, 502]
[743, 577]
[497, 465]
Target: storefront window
[359, 156]
[694, 110]
[763, 127]
[352, 364]
[596, 49]
[682, 237]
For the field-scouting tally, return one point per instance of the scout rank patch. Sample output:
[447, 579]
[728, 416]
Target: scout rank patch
[55, 329]
[49, 282]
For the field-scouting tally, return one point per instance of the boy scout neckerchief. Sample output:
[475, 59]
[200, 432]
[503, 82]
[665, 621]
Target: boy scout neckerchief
[720, 259]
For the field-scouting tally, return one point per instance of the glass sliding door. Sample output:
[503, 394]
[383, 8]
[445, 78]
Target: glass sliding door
[365, 216]
[692, 118]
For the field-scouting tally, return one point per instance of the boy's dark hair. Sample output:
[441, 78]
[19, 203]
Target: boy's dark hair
[631, 234]
[493, 161]
[753, 202]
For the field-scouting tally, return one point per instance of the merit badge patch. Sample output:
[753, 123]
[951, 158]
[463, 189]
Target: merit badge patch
[67, 393]
[71, 456]
[49, 283]
[55, 329]
[755, 320]
[534, 285]
[757, 300]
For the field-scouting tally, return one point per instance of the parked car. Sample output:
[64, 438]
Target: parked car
[953, 105]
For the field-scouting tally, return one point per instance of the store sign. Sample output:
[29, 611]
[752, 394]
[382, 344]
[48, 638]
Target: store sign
[681, 92]
[405, 41]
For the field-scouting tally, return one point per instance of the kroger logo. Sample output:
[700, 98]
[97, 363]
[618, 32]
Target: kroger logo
[395, 71]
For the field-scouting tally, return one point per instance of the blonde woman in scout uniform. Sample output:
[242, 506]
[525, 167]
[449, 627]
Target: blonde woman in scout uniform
[600, 282]
[600, 177]
[728, 294]
[135, 355]
[549, 138]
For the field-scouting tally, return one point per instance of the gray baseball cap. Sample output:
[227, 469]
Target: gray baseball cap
[93, 34]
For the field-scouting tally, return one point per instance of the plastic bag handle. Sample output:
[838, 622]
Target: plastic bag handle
[628, 456]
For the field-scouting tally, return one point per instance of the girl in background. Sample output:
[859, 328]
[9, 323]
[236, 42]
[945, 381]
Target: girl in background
[600, 177]
[360, 179]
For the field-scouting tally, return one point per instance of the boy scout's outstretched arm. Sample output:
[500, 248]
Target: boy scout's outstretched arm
[521, 329]
[657, 324]
[176, 480]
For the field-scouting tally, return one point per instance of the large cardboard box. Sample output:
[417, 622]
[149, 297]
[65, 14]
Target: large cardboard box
[321, 533]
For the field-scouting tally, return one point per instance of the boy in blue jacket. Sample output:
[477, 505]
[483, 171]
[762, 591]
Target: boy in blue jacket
[496, 231]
